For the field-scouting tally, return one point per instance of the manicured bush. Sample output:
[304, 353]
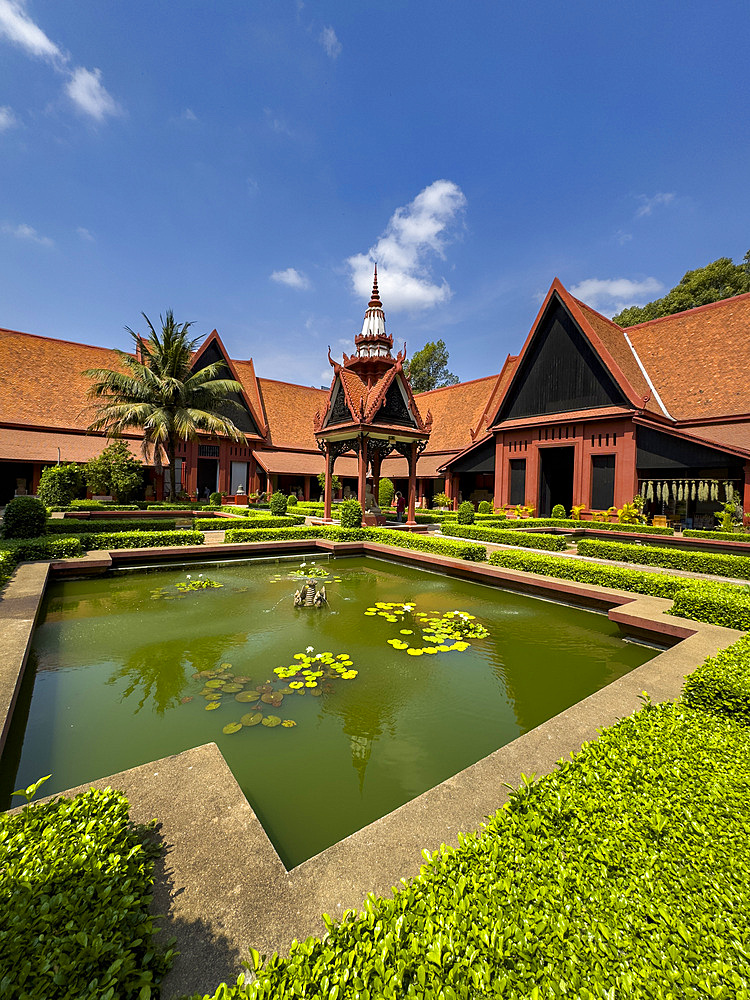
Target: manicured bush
[578, 525]
[724, 536]
[332, 532]
[714, 563]
[622, 874]
[7, 565]
[291, 501]
[140, 539]
[116, 471]
[717, 603]
[485, 507]
[214, 500]
[386, 493]
[24, 517]
[68, 526]
[441, 500]
[173, 505]
[277, 503]
[465, 513]
[223, 523]
[46, 547]
[76, 881]
[530, 540]
[428, 543]
[350, 514]
[59, 484]
[722, 683]
[558, 511]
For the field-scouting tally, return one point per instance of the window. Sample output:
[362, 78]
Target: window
[517, 493]
[208, 451]
[602, 481]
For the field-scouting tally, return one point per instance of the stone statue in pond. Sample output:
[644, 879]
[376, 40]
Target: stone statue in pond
[308, 597]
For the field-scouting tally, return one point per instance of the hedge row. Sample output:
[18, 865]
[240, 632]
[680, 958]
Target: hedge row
[140, 539]
[713, 563]
[250, 523]
[76, 880]
[68, 526]
[385, 536]
[715, 603]
[94, 505]
[569, 522]
[552, 543]
[46, 547]
[623, 874]
[724, 536]
[722, 683]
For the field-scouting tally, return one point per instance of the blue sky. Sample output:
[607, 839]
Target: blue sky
[243, 163]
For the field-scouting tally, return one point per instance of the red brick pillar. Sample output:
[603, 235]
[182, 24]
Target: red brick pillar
[412, 482]
[746, 490]
[362, 472]
[327, 497]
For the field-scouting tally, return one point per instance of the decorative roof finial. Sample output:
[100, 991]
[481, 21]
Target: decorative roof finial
[375, 300]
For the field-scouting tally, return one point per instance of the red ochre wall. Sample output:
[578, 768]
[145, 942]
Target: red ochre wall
[610, 437]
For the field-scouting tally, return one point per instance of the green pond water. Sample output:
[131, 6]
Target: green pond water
[116, 685]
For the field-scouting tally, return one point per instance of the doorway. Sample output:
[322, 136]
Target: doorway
[555, 479]
[208, 477]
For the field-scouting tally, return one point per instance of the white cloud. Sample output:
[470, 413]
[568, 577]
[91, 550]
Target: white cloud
[86, 234]
[330, 42]
[86, 90]
[276, 123]
[292, 278]
[18, 28]
[7, 118]
[622, 237]
[84, 86]
[188, 115]
[415, 234]
[28, 233]
[649, 204]
[611, 295]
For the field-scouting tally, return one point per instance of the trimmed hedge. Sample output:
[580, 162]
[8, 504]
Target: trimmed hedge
[7, 565]
[552, 543]
[68, 526]
[713, 563]
[569, 522]
[30, 549]
[385, 536]
[141, 539]
[724, 536]
[76, 880]
[254, 523]
[722, 683]
[623, 874]
[75, 505]
[717, 603]
[24, 517]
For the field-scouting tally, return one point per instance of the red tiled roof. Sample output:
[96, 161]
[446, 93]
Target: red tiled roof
[41, 446]
[456, 409]
[732, 436]
[289, 410]
[298, 463]
[396, 467]
[699, 360]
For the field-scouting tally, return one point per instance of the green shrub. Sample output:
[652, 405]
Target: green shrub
[141, 539]
[578, 525]
[291, 501]
[175, 505]
[441, 500]
[716, 603]
[722, 683]
[350, 514]
[59, 484]
[465, 513]
[530, 540]
[68, 526]
[332, 532]
[724, 536]
[46, 547]
[256, 523]
[713, 563]
[7, 565]
[484, 507]
[277, 503]
[76, 881]
[386, 493]
[116, 471]
[25, 517]
[428, 543]
[622, 874]
[214, 500]
[558, 511]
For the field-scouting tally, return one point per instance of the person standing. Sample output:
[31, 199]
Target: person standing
[400, 507]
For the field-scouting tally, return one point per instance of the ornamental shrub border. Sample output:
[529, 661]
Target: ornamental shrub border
[76, 880]
[68, 526]
[140, 539]
[555, 522]
[712, 563]
[250, 523]
[724, 536]
[721, 684]
[552, 543]
[550, 900]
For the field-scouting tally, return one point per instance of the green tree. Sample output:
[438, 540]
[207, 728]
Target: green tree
[157, 392]
[721, 279]
[335, 482]
[59, 484]
[115, 472]
[428, 368]
[386, 492]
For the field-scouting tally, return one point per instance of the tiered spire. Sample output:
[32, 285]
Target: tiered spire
[373, 341]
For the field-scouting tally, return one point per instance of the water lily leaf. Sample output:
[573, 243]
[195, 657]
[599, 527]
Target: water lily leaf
[232, 727]
[252, 719]
[247, 696]
[274, 698]
[215, 683]
[240, 680]
[231, 688]
[271, 721]
[316, 692]
[286, 690]
[225, 666]
[288, 723]
[184, 701]
[212, 705]
[265, 688]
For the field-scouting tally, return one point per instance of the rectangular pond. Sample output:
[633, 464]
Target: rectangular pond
[329, 718]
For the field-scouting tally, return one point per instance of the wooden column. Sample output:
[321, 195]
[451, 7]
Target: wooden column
[362, 472]
[376, 460]
[454, 481]
[306, 488]
[412, 482]
[746, 491]
[329, 476]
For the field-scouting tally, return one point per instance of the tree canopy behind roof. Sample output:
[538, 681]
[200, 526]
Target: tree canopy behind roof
[428, 369]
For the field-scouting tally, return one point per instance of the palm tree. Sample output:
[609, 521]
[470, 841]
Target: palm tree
[157, 391]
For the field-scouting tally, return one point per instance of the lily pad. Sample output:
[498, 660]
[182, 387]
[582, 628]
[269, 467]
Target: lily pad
[288, 723]
[252, 719]
[184, 701]
[232, 727]
[271, 721]
[231, 688]
[274, 698]
[212, 705]
[225, 666]
[316, 692]
[241, 680]
[215, 683]
[247, 696]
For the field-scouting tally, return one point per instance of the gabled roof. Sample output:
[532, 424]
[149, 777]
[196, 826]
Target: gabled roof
[457, 410]
[699, 360]
[249, 384]
[289, 410]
